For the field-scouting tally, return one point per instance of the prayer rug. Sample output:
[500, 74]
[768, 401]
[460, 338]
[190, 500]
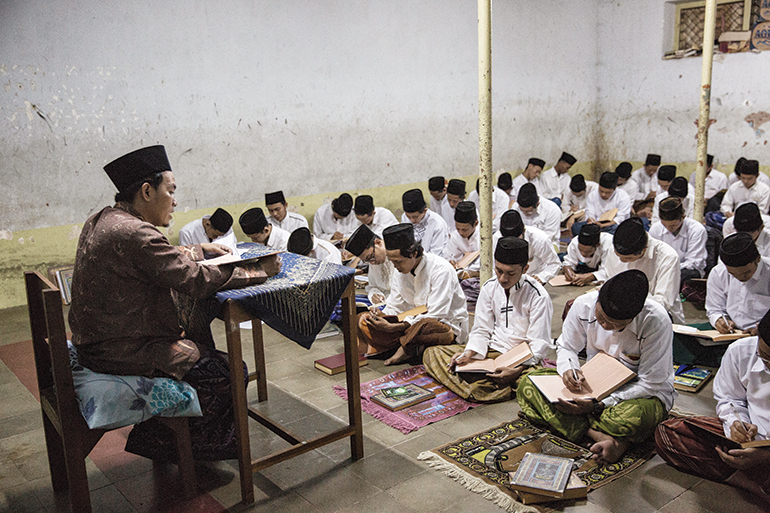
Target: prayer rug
[445, 404]
[481, 462]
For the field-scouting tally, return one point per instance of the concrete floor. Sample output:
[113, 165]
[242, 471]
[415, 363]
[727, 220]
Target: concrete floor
[388, 479]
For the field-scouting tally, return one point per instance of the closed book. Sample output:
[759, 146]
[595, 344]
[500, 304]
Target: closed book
[690, 379]
[335, 364]
[467, 260]
[398, 398]
[542, 474]
[511, 358]
[603, 375]
[576, 489]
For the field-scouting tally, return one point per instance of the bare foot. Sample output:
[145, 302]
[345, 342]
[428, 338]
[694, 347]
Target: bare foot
[399, 357]
[606, 449]
[363, 348]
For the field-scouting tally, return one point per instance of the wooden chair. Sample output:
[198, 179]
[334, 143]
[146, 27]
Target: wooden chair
[68, 438]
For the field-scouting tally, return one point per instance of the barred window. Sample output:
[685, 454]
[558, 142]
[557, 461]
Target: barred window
[732, 16]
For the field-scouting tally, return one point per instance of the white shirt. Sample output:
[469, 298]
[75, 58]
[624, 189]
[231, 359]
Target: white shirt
[446, 212]
[597, 261]
[291, 222]
[763, 240]
[689, 243]
[744, 381]
[579, 202]
[434, 284]
[500, 202]
[324, 225]
[688, 203]
[458, 246]
[544, 263]
[645, 183]
[596, 206]
[738, 194]
[715, 182]
[278, 239]
[550, 184]
[631, 188]
[382, 219]
[644, 346]
[325, 250]
[432, 231]
[194, 233]
[379, 279]
[660, 263]
[547, 217]
[504, 321]
[743, 303]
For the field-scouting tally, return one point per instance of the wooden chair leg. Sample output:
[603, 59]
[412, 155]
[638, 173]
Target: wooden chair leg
[57, 464]
[181, 429]
[80, 497]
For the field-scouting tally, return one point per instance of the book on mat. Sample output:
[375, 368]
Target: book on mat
[417, 310]
[719, 439]
[710, 337]
[335, 364]
[690, 379]
[467, 259]
[603, 375]
[542, 474]
[398, 398]
[608, 215]
[576, 489]
[511, 358]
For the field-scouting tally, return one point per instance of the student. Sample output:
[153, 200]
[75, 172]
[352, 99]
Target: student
[685, 235]
[280, 215]
[587, 254]
[439, 202]
[216, 228]
[716, 181]
[335, 221]
[529, 175]
[625, 183]
[621, 320]
[665, 175]
[505, 184]
[455, 193]
[465, 239]
[369, 247]
[678, 188]
[430, 229]
[575, 197]
[544, 263]
[740, 389]
[544, 215]
[554, 182]
[377, 219]
[748, 219]
[421, 279]
[603, 199]
[646, 178]
[634, 249]
[302, 242]
[512, 308]
[255, 227]
[736, 175]
[500, 202]
[748, 189]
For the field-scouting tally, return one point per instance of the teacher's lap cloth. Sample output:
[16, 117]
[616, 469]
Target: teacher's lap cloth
[446, 403]
[481, 462]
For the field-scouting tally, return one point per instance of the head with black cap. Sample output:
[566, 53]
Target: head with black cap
[709, 163]
[511, 224]
[621, 298]
[437, 187]
[414, 205]
[364, 209]
[217, 224]
[630, 240]
[341, 206]
[511, 260]
[738, 165]
[589, 239]
[144, 180]
[665, 175]
[749, 173]
[300, 242]
[623, 171]
[505, 182]
[466, 219]
[401, 248]
[533, 169]
[565, 162]
[608, 182]
[367, 246]
[255, 226]
[679, 187]
[748, 219]
[528, 200]
[578, 185]
[740, 256]
[276, 205]
[671, 211]
[455, 192]
[651, 164]
[763, 340]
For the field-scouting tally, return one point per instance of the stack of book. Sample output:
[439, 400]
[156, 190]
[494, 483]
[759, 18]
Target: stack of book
[689, 378]
[398, 398]
[544, 478]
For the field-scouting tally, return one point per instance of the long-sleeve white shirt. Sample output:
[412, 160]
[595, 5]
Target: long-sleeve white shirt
[278, 239]
[645, 183]
[596, 206]
[324, 224]
[644, 346]
[446, 212]
[715, 182]
[194, 233]
[551, 184]
[434, 284]
[743, 380]
[458, 246]
[597, 261]
[688, 203]
[325, 250]
[744, 303]
[432, 231]
[631, 188]
[547, 217]
[570, 199]
[738, 194]
[379, 279]
[291, 222]
[382, 219]
[732, 178]
[544, 263]
[660, 263]
[504, 321]
[500, 202]
[689, 243]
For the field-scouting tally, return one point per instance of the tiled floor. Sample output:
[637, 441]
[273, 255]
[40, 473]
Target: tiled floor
[388, 479]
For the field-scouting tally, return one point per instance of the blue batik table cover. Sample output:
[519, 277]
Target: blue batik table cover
[298, 301]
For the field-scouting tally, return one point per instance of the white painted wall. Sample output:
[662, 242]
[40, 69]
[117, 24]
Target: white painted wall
[252, 96]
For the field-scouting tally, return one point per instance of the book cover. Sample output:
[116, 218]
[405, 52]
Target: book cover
[603, 375]
[511, 358]
[690, 379]
[576, 489]
[398, 398]
[542, 474]
[335, 364]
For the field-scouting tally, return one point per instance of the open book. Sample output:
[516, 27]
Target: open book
[711, 337]
[231, 258]
[608, 215]
[467, 260]
[417, 310]
[511, 358]
[718, 439]
[603, 375]
[577, 214]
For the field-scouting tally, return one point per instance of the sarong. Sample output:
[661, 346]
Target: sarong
[424, 333]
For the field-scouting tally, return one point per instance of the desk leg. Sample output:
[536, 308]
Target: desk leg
[259, 359]
[350, 335]
[240, 404]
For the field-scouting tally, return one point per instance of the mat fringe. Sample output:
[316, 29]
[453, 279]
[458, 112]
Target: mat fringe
[474, 484]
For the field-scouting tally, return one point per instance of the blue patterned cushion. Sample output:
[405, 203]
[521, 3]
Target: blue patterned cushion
[108, 401]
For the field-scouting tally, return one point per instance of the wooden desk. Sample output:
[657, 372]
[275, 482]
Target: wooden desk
[233, 315]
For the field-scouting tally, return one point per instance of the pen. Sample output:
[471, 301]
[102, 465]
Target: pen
[726, 323]
[574, 375]
[735, 412]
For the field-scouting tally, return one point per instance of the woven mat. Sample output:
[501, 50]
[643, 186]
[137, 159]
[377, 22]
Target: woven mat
[481, 462]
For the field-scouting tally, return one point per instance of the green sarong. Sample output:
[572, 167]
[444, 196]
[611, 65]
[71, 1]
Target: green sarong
[633, 420]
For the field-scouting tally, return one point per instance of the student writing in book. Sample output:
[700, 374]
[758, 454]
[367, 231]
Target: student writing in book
[544, 263]
[512, 308]
[743, 415]
[256, 227]
[685, 235]
[422, 279]
[335, 221]
[587, 255]
[544, 215]
[465, 238]
[430, 229]
[621, 320]
[370, 248]
[604, 198]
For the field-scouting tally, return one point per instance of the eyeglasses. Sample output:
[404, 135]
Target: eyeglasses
[371, 259]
